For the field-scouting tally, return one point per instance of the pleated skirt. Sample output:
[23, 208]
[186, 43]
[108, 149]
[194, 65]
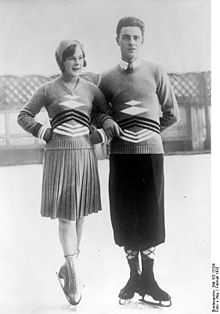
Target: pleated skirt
[136, 190]
[70, 187]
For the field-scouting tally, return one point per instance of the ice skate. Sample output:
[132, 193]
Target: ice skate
[67, 287]
[133, 283]
[150, 291]
[128, 291]
[152, 294]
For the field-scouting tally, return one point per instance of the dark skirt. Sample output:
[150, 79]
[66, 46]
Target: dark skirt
[136, 189]
[70, 188]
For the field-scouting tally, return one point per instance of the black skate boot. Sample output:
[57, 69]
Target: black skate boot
[150, 288]
[133, 284]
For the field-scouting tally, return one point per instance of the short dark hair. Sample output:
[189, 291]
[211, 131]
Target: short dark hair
[70, 51]
[130, 21]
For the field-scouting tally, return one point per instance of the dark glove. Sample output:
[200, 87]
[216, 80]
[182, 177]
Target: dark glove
[97, 136]
[47, 135]
[111, 128]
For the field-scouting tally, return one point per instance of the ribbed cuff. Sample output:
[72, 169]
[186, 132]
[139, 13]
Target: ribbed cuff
[36, 129]
[41, 132]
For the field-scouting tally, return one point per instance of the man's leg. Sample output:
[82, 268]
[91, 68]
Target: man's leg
[149, 286]
[128, 291]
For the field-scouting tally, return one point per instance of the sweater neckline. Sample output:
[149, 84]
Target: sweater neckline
[124, 65]
[68, 88]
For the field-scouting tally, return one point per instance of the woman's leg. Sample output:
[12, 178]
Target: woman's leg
[68, 236]
[79, 228]
[69, 243]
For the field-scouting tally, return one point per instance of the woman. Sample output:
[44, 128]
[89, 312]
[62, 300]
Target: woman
[70, 189]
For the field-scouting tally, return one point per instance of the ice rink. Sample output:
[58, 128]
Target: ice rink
[31, 253]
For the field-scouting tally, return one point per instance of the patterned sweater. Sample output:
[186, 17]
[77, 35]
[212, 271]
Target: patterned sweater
[69, 111]
[143, 104]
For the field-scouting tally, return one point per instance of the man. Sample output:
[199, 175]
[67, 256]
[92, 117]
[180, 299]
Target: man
[142, 105]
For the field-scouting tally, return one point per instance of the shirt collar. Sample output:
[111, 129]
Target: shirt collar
[124, 65]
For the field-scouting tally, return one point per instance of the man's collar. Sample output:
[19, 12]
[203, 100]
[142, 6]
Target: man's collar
[124, 65]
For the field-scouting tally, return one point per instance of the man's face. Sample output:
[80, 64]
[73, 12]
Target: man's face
[130, 41]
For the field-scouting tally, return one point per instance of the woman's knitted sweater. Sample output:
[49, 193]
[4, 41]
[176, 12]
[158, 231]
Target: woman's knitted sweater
[70, 111]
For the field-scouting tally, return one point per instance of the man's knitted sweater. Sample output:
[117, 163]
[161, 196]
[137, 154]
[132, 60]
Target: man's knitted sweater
[143, 104]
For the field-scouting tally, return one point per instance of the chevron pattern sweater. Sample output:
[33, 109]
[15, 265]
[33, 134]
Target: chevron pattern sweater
[143, 104]
[70, 111]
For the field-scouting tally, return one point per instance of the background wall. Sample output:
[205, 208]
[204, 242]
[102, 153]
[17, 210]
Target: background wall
[177, 35]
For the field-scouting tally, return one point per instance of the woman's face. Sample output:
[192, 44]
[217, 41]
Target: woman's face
[74, 64]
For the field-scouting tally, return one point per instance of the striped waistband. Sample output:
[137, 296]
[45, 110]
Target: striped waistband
[71, 130]
[68, 115]
[138, 129]
[153, 145]
[61, 123]
[141, 122]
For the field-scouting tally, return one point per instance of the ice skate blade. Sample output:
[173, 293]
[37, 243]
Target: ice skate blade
[71, 302]
[124, 301]
[156, 303]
